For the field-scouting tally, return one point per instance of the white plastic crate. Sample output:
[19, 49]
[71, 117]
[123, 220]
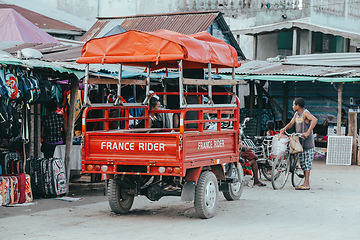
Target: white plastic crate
[339, 150]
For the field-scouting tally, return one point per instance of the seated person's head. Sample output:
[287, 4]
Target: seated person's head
[270, 125]
[154, 104]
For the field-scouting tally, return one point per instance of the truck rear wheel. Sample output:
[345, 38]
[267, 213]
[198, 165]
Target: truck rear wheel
[206, 195]
[119, 200]
[235, 187]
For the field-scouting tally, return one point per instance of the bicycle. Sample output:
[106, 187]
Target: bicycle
[261, 146]
[284, 163]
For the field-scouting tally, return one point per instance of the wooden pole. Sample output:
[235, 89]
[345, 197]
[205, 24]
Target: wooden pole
[260, 106]
[285, 102]
[71, 124]
[37, 130]
[352, 124]
[86, 85]
[252, 97]
[338, 127]
[32, 132]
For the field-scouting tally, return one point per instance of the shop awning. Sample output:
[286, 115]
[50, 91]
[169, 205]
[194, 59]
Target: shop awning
[284, 78]
[301, 24]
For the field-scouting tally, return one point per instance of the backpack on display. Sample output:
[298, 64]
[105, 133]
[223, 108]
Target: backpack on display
[57, 93]
[33, 83]
[4, 121]
[4, 89]
[45, 90]
[24, 88]
[12, 83]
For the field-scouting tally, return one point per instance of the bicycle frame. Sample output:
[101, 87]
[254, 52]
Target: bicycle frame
[284, 163]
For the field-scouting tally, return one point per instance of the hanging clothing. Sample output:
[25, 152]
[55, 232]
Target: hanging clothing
[53, 123]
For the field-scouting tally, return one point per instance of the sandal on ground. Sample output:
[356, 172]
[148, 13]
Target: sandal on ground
[171, 188]
[260, 184]
[302, 188]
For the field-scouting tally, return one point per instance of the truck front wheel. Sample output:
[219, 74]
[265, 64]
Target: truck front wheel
[119, 200]
[206, 195]
[235, 187]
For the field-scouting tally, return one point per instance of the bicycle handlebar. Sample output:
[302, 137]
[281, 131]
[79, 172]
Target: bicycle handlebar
[293, 134]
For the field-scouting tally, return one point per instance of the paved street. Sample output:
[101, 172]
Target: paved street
[330, 210]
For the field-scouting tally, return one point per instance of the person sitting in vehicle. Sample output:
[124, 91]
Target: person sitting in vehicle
[249, 156]
[154, 121]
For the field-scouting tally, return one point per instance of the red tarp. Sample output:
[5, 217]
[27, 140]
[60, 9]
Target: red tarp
[16, 28]
[161, 49]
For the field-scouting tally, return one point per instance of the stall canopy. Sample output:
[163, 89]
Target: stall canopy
[160, 49]
[15, 27]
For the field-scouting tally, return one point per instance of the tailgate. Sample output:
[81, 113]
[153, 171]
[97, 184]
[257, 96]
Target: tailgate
[213, 148]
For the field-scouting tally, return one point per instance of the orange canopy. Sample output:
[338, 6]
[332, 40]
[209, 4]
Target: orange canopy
[160, 49]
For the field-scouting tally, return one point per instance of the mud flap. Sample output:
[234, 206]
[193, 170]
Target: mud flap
[188, 191]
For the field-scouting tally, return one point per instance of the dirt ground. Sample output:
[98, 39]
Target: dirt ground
[330, 210]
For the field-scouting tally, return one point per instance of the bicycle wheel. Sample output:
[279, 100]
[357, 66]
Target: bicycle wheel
[266, 171]
[280, 170]
[297, 177]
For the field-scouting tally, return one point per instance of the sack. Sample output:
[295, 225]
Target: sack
[295, 145]
[279, 145]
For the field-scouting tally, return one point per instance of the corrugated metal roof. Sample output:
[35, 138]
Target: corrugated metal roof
[39, 20]
[185, 23]
[95, 30]
[279, 68]
[51, 51]
[351, 59]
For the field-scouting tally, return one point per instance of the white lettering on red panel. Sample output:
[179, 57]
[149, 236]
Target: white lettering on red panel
[211, 144]
[130, 146]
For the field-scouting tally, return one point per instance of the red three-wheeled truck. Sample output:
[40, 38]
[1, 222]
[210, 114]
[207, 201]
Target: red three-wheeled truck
[194, 160]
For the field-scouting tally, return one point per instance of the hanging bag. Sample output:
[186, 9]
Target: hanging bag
[294, 141]
[295, 145]
[12, 83]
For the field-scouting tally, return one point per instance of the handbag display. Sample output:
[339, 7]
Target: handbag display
[295, 145]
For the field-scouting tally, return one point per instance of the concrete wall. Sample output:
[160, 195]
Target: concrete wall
[239, 14]
[267, 46]
[304, 43]
[339, 14]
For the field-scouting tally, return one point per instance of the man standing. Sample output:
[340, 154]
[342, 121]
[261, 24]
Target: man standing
[304, 123]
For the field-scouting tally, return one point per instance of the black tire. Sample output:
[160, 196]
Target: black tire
[297, 176]
[280, 170]
[206, 195]
[119, 200]
[235, 188]
[266, 172]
